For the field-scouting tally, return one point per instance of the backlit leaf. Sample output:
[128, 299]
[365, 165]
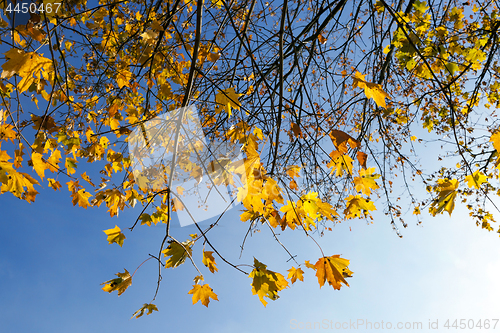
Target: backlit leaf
[177, 253]
[447, 192]
[372, 90]
[340, 163]
[54, 184]
[28, 65]
[209, 261]
[366, 181]
[331, 269]
[476, 179]
[149, 307]
[358, 206]
[81, 197]
[295, 274]
[203, 294]
[226, 100]
[119, 284]
[7, 132]
[115, 235]
[266, 283]
[53, 160]
[39, 164]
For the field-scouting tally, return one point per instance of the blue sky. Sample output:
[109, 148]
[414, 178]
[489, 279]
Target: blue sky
[53, 258]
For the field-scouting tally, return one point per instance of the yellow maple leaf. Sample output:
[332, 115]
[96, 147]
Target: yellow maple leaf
[161, 215]
[115, 235]
[149, 35]
[293, 171]
[39, 164]
[81, 197]
[266, 283]
[291, 215]
[302, 213]
[115, 201]
[53, 160]
[294, 274]
[5, 165]
[332, 270]
[119, 284]
[372, 90]
[73, 185]
[340, 163]
[17, 59]
[177, 253]
[180, 190]
[476, 179]
[7, 132]
[272, 192]
[309, 265]
[146, 219]
[149, 307]
[14, 181]
[366, 182]
[273, 216]
[17, 181]
[87, 179]
[54, 184]
[28, 65]
[495, 138]
[310, 204]
[18, 156]
[227, 99]
[217, 3]
[123, 78]
[357, 206]
[447, 192]
[209, 261]
[203, 294]
[70, 165]
[326, 210]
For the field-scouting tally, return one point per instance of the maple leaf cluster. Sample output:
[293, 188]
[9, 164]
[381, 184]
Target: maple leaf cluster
[318, 141]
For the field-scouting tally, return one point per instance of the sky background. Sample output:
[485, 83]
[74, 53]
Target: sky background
[53, 258]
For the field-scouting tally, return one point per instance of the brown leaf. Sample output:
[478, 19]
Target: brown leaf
[362, 157]
[341, 140]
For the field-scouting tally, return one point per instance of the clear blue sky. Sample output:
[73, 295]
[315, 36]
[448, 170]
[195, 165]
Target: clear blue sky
[54, 256]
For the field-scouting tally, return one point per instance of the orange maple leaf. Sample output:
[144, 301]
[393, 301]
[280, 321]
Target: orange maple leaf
[332, 269]
[295, 274]
[209, 261]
